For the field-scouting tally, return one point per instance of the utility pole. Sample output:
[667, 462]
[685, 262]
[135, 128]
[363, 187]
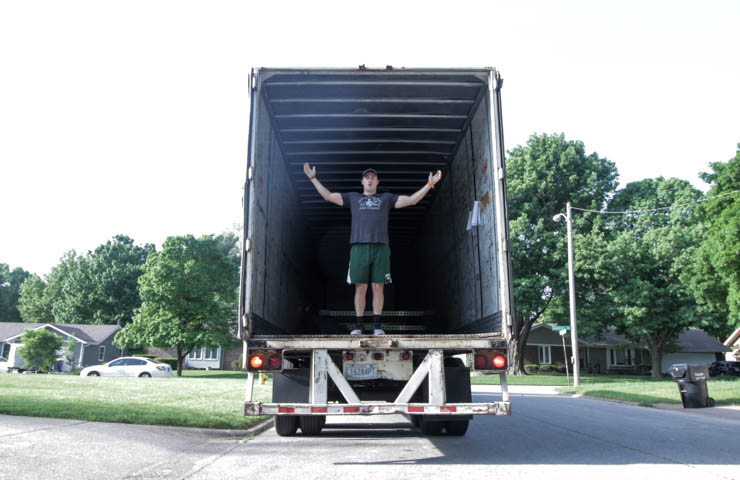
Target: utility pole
[572, 290]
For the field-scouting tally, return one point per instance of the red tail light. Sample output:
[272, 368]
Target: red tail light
[489, 359]
[256, 362]
[350, 356]
[275, 361]
[265, 360]
[480, 362]
[499, 361]
[405, 355]
[378, 356]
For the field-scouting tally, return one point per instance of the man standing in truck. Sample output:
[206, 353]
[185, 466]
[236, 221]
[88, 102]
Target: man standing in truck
[370, 256]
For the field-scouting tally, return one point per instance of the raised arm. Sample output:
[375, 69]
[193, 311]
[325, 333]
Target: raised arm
[335, 198]
[407, 201]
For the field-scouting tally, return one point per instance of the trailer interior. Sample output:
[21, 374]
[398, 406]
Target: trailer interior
[405, 124]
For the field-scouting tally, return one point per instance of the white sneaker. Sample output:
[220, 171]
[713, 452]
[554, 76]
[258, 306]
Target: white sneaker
[378, 331]
[356, 332]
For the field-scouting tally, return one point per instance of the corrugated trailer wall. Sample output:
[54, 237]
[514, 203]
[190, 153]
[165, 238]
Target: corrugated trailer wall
[458, 270]
[285, 279]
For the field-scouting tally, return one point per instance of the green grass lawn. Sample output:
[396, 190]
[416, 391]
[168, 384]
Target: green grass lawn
[209, 399]
[633, 388]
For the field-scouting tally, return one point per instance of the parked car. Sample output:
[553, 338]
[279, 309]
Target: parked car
[129, 367]
[724, 368]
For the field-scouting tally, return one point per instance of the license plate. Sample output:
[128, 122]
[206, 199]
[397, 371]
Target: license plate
[361, 371]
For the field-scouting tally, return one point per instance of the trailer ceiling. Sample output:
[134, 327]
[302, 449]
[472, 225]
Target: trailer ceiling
[403, 123]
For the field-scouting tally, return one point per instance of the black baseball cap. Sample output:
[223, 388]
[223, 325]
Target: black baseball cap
[369, 170]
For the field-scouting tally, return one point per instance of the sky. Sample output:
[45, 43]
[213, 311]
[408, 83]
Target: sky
[132, 117]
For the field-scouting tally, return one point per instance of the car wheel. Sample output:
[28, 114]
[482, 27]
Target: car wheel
[312, 424]
[93, 374]
[286, 425]
[145, 375]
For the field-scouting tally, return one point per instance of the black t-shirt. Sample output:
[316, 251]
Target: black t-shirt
[369, 216]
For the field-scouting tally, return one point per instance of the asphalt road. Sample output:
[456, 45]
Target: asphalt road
[547, 435]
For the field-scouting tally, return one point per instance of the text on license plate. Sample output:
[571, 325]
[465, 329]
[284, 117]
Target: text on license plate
[361, 371]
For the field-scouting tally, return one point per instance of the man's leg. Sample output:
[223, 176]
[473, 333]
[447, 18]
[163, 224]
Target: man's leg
[360, 294]
[378, 299]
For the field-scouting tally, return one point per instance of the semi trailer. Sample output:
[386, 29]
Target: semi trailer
[449, 307]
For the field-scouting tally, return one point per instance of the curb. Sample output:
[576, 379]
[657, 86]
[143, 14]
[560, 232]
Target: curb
[258, 429]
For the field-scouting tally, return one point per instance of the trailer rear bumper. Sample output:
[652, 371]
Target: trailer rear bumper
[451, 409]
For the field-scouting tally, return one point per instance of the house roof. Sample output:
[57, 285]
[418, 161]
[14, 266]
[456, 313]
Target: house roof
[693, 340]
[88, 334]
[698, 341]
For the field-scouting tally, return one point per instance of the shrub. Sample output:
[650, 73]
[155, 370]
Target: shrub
[172, 362]
[145, 355]
[531, 368]
[40, 349]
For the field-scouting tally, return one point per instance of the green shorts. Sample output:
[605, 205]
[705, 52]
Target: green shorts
[369, 263]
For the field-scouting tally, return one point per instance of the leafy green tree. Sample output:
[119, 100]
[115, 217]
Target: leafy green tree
[99, 288]
[40, 349]
[644, 263]
[188, 297]
[34, 305]
[10, 292]
[716, 275]
[542, 177]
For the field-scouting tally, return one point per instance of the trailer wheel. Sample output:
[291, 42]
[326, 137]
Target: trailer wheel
[312, 424]
[457, 427]
[286, 425]
[431, 427]
[416, 420]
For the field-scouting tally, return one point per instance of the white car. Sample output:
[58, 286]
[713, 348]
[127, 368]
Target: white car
[129, 367]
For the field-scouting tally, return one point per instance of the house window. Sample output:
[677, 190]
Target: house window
[621, 357]
[195, 354]
[543, 354]
[211, 353]
[5, 350]
[101, 354]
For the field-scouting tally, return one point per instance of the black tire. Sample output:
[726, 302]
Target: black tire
[93, 374]
[432, 427]
[312, 424]
[710, 402]
[145, 375]
[416, 420]
[457, 427]
[286, 425]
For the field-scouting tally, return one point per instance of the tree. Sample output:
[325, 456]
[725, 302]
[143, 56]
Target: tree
[716, 275]
[188, 296]
[10, 292]
[34, 305]
[99, 288]
[645, 260]
[542, 177]
[40, 349]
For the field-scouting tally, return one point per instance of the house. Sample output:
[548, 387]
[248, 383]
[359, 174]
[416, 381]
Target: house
[733, 342]
[613, 353]
[205, 358]
[93, 343]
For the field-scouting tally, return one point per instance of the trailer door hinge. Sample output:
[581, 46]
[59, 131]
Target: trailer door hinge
[248, 245]
[250, 173]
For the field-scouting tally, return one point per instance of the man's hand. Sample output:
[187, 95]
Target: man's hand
[434, 178]
[311, 172]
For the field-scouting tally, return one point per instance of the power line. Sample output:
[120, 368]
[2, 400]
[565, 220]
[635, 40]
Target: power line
[627, 212]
